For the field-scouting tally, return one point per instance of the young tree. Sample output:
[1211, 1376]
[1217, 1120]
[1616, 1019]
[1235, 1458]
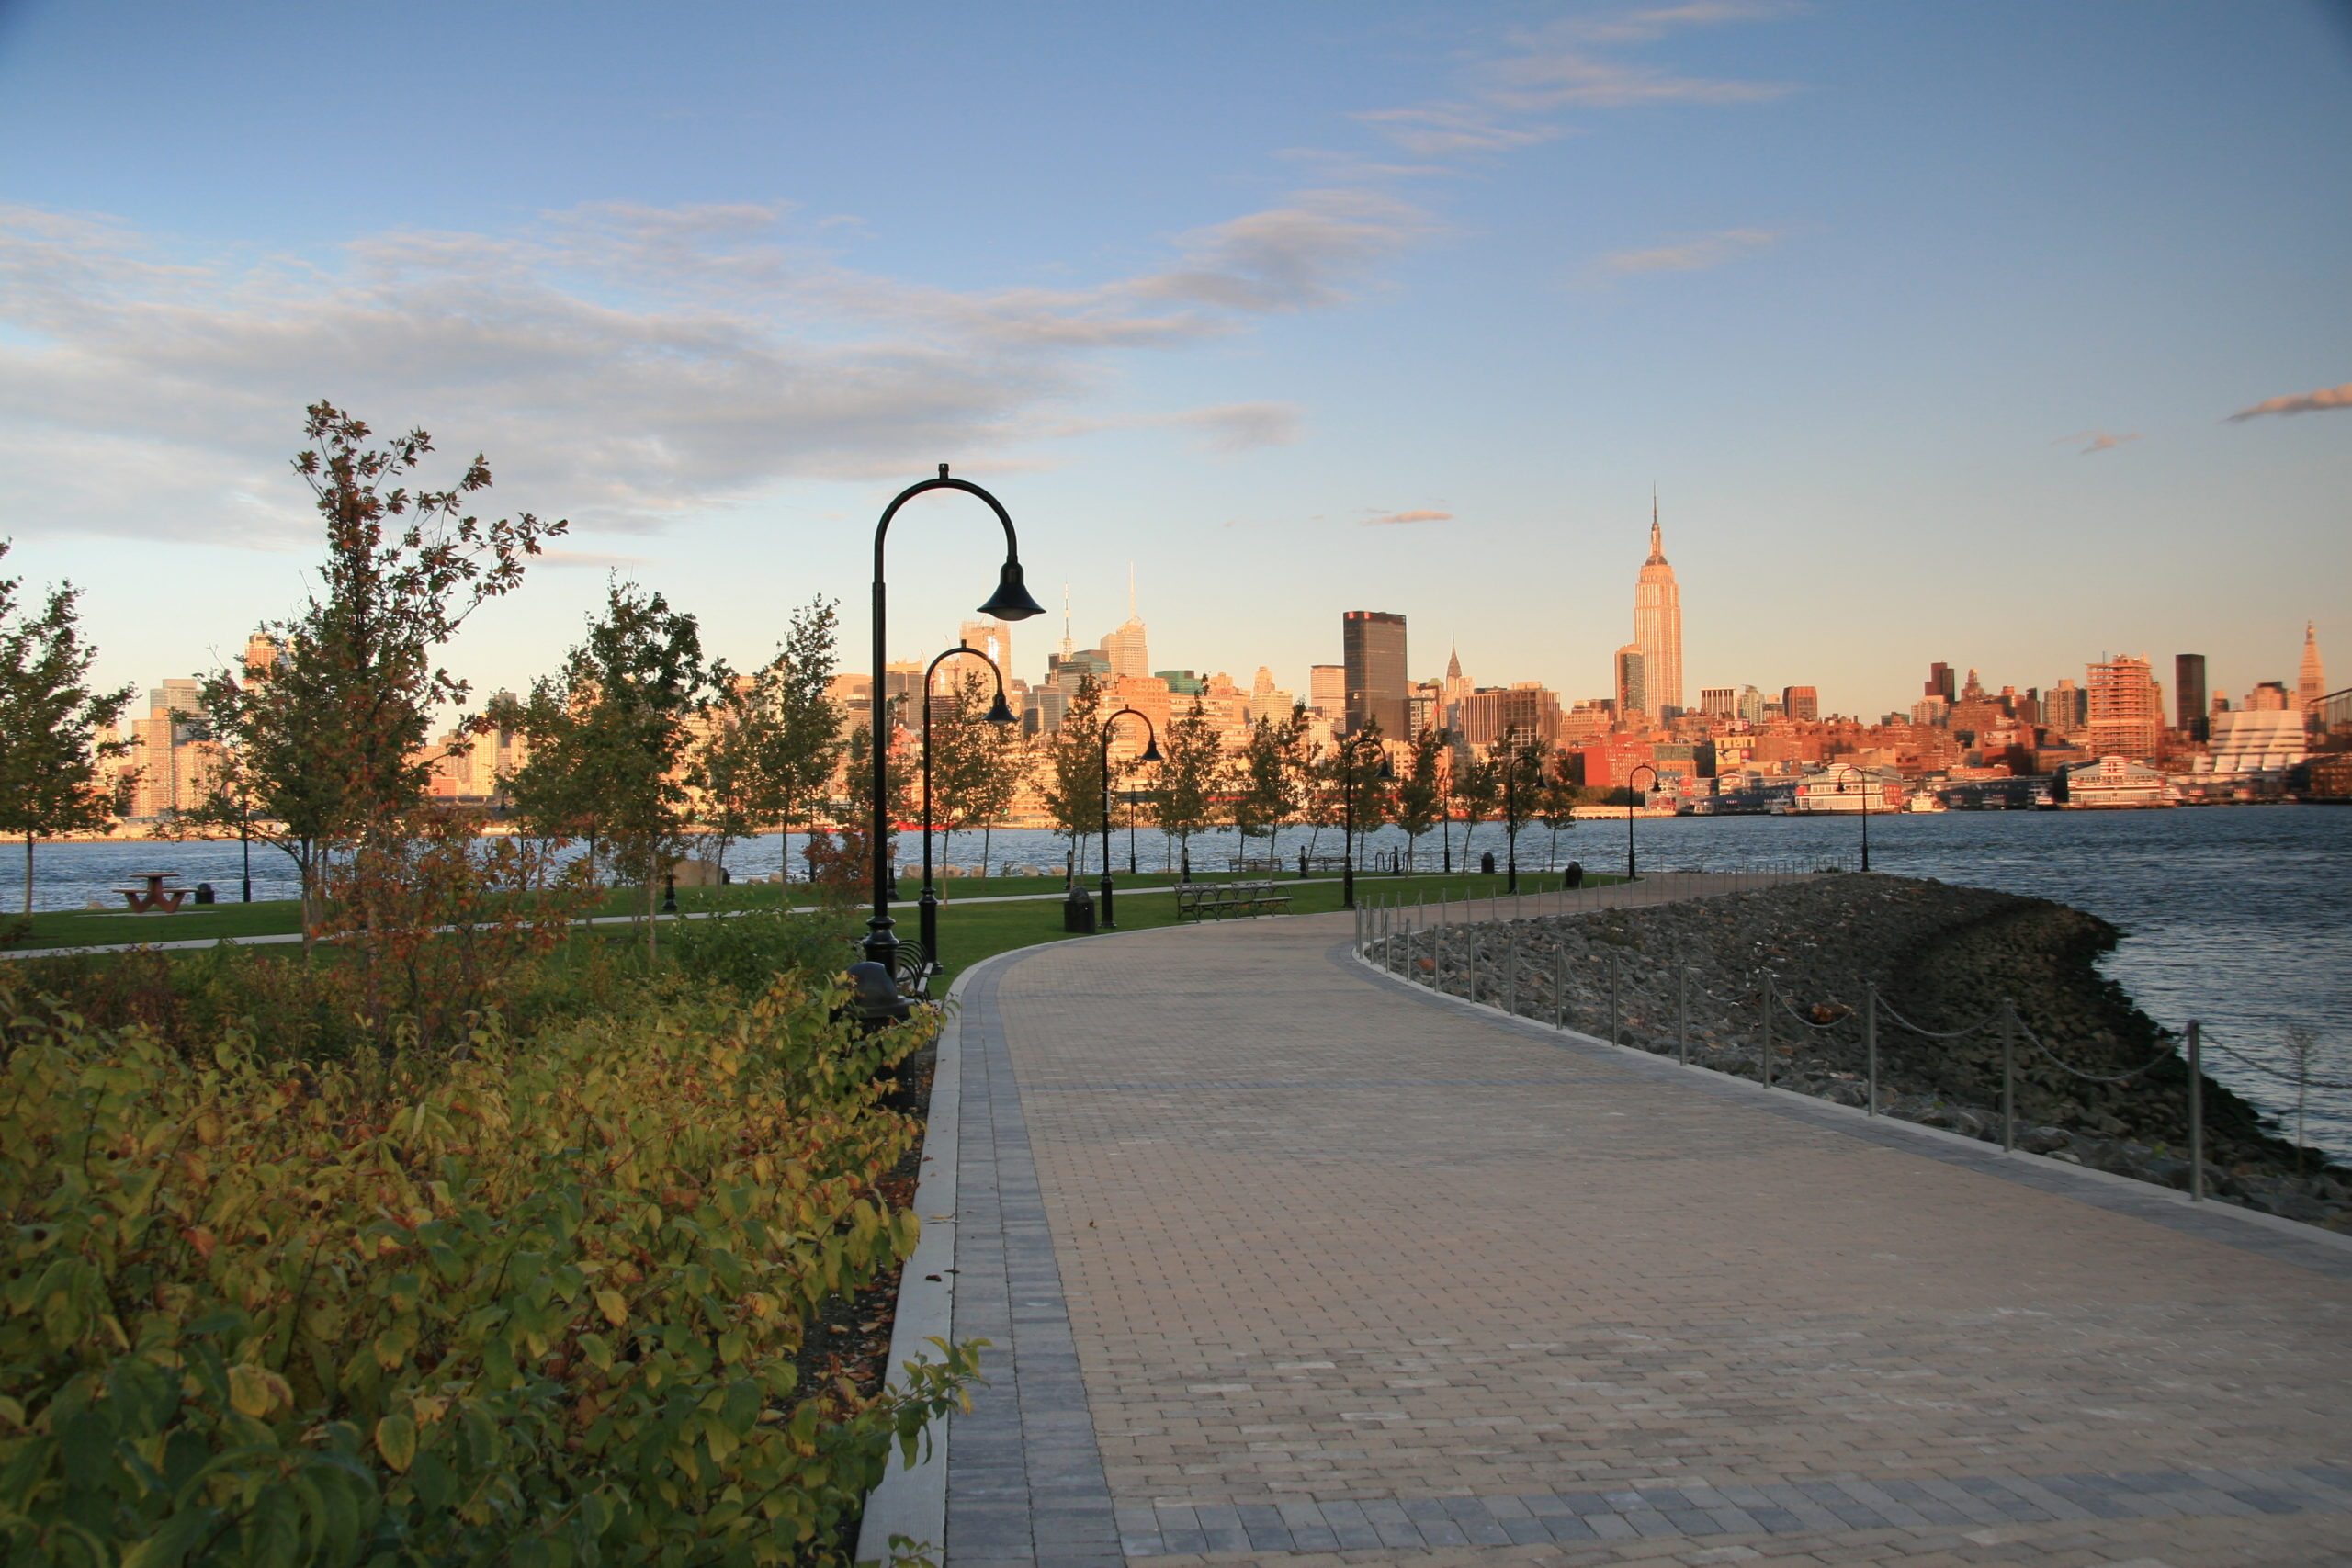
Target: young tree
[1519, 774]
[1420, 793]
[801, 729]
[609, 735]
[1074, 778]
[1478, 792]
[1191, 777]
[324, 743]
[1262, 798]
[973, 771]
[1363, 799]
[855, 811]
[724, 769]
[1556, 804]
[55, 730]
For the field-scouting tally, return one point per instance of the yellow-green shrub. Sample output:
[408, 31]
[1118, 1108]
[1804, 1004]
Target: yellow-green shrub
[541, 1306]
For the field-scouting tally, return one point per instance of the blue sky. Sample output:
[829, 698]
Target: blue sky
[1927, 322]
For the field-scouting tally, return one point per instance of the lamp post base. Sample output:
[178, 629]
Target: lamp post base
[1108, 923]
[927, 924]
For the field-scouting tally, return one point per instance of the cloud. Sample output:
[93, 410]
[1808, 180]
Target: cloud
[593, 560]
[1441, 128]
[2096, 440]
[1223, 427]
[2302, 402]
[1387, 519]
[1691, 255]
[623, 365]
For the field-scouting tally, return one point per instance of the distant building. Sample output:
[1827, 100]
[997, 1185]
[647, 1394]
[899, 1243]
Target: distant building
[1718, 702]
[1657, 626]
[2126, 709]
[2268, 696]
[1802, 704]
[1751, 705]
[1184, 682]
[1633, 680]
[992, 637]
[2188, 696]
[1516, 713]
[1372, 644]
[1327, 689]
[2268, 740]
[1940, 683]
[2311, 680]
[2064, 709]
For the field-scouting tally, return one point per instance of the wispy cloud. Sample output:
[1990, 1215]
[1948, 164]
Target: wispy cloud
[2096, 440]
[1573, 62]
[1387, 519]
[1691, 255]
[2326, 398]
[627, 365]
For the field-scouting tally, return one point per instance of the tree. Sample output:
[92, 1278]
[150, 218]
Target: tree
[1420, 793]
[1074, 777]
[609, 735]
[800, 733]
[1262, 795]
[1364, 797]
[975, 765]
[1556, 804]
[853, 856]
[1477, 791]
[54, 731]
[1192, 773]
[1519, 774]
[323, 741]
[725, 768]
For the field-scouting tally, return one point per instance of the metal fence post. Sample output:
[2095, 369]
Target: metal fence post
[2008, 1077]
[1682, 1015]
[2196, 1112]
[1616, 998]
[1560, 987]
[1510, 975]
[1771, 999]
[1869, 1038]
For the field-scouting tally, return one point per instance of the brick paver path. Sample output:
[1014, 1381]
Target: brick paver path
[1287, 1262]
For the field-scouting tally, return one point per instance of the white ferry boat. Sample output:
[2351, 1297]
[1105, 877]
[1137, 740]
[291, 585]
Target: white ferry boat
[1841, 787]
[2113, 782]
[1923, 803]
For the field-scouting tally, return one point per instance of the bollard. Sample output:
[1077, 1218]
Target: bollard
[1770, 999]
[1682, 1016]
[2008, 1078]
[1869, 1038]
[2196, 1112]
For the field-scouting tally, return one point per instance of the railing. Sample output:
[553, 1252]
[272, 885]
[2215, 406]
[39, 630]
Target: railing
[1415, 938]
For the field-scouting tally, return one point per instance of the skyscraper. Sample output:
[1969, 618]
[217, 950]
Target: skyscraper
[1327, 689]
[1373, 653]
[992, 637]
[2126, 706]
[1632, 686]
[1124, 647]
[1657, 626]
[2188, 696]
[1802, 704]
[2311, 680]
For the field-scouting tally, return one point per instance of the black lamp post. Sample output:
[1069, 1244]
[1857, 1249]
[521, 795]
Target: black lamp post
[998, 713]
[1347, 809]
[1151, 754]
[1511, 759]
[1865, 788]
[1010, 602]
[1631, 876]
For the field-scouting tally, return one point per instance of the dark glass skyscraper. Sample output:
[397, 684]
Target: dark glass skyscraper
[2188, 696]
[1373, 647]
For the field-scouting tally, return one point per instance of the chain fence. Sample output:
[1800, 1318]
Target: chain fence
[1415, 938]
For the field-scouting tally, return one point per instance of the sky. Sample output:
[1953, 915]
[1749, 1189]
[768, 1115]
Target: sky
[2005, 334]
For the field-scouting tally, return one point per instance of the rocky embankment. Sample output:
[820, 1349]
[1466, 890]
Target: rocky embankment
[1943, 958]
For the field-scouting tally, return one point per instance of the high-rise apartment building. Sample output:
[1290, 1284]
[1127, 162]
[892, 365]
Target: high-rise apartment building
[1520, 714]
[2062, 709]
[2188, 696]
[1802, 704]
[992, 637]
[1327, 689]
[2125, 708]
[1373, 652]
[1751, 705]
[2311, 680]
[1633, 680]
[1940, 683]
[1657, 626]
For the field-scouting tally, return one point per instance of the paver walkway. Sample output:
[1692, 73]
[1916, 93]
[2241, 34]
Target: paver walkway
[1287, 1262]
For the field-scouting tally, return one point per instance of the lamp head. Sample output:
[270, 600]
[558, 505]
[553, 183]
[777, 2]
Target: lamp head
[1387, 769]
[998, 713]
[1151, 748]
[1010, 602]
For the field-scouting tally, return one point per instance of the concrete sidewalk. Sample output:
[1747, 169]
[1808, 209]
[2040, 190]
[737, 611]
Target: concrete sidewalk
[1285, 1262]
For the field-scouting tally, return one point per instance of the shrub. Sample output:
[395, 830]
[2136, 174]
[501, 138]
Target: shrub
[540, 1301]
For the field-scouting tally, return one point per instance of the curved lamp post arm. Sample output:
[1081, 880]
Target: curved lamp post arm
[1630, 794]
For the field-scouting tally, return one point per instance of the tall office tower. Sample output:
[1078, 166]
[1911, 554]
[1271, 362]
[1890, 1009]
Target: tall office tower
[2126, 708]
[2311, 680]
[1802, 704]
[1940, 683]
[1453, 692]
[992, 638]
[1633, 680]
[2188, 696]
[1657, 626]
[1327, 689]
[1124, 646]
[1373, 651]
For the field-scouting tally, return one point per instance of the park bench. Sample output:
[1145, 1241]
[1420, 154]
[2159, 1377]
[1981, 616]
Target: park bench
[1264, 899]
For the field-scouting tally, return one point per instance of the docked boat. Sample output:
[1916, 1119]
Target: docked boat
[2117, 783]
[1842, 788]
[1923, 803]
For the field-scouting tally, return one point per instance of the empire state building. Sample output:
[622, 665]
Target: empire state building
[1657, 625]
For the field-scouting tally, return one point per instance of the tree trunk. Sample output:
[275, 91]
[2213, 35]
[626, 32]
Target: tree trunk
[988, 843]
[28, 873]
[1445, 841]
[652, 906]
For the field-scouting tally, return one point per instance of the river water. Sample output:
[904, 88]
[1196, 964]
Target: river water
[2239, 916]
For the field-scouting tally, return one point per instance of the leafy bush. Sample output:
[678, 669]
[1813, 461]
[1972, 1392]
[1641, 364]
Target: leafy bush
[543, 1302]
[745, 951]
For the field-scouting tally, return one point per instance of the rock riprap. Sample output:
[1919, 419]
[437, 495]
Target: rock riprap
[1943, 958]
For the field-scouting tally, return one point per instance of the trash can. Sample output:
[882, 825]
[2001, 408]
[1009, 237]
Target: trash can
[204, 893]
[1078, 913]
[1486, 863]
[1575, 877]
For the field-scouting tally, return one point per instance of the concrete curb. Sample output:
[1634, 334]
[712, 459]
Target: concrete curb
[2287, 1241]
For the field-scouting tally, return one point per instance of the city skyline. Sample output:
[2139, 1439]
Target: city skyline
[1907, 368]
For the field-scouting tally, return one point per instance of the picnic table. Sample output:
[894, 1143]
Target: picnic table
[152, 895]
